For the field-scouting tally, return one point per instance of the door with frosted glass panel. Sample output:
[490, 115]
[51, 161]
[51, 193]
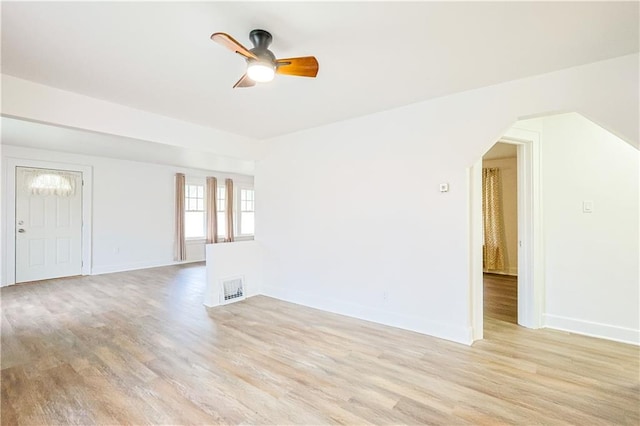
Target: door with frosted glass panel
[48, 224]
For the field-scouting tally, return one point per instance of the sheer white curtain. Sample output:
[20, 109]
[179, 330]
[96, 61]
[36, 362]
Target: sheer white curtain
[181, 247]
[50, 182]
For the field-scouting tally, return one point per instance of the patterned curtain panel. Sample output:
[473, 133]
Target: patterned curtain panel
[181, 247]
[212, 210]
[494, 240]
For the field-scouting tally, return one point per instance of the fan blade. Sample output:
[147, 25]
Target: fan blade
[244, 81]
[232, 44]
[306, 66]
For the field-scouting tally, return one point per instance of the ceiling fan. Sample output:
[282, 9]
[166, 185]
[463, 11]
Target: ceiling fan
[262, 64]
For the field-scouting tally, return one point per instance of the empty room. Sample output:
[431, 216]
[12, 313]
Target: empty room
[315, 213]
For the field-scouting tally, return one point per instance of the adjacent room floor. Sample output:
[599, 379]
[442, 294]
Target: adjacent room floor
[500, 298]
[139, 348]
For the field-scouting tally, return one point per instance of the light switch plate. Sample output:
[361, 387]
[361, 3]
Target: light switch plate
[587, 207]
[444, 187]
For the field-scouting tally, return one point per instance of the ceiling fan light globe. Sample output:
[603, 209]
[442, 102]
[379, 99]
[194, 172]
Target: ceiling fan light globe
[261, 72]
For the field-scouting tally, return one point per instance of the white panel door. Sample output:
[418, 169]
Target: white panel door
[48, 226]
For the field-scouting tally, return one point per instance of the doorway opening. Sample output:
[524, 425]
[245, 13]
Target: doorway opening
[527, 289]
[500, 233]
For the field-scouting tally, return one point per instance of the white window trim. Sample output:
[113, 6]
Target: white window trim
[224, 205]
[203, 183]
[238, 212]
[238, 185]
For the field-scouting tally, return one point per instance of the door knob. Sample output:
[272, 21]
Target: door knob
[22, 231]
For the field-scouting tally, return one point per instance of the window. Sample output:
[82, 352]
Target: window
[195, 210]
[247, 207]
[50, 182]
[222, 218]
[194, 216]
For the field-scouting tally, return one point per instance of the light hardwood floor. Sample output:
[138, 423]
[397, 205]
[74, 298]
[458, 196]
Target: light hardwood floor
[500, 297]
[139, 348]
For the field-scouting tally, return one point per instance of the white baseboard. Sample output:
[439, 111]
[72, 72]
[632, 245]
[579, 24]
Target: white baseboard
[212, 305]
[456, 334]
[593, 329]
[109, 269]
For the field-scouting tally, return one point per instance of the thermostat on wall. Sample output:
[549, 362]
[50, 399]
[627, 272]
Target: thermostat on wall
[444, 187]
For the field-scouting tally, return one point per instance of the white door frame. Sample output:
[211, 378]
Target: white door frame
[530, 242]
[10, 212]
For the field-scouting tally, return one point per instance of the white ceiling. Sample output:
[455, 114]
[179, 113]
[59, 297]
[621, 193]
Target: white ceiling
[373, 55]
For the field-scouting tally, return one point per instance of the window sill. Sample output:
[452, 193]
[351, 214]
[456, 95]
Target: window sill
[195, 240]
[237, 238]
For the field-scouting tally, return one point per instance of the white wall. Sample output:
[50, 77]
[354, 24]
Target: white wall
[133, 209]
[351, 219]
[592, 259]
[230, 260]
[509, 174]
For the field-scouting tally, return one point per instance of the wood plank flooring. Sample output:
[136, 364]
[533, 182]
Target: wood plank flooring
[139, 348]
[500, 297]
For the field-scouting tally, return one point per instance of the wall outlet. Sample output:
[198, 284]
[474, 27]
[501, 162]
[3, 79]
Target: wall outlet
[444, 187]
[385, 296]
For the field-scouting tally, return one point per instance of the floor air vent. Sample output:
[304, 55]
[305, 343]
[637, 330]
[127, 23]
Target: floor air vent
[232, 290]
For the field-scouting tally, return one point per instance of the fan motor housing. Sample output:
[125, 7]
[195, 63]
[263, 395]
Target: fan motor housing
[261, 39]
